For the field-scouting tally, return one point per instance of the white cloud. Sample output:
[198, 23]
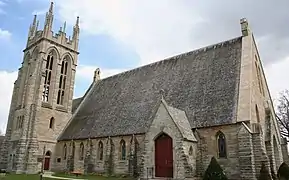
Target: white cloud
[162, 28]
[87, 72]
[155, 29]
[4, 34]
[277, 77]
[39, 12]
[7, 82]
[158, 29]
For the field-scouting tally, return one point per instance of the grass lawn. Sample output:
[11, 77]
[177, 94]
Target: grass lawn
[91, 177]
[37, 177]
[23, 177]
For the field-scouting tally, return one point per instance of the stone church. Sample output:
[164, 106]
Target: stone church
[165, 119]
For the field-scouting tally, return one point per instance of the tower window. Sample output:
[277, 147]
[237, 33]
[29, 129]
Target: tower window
[19, 122]
[62, 82]
[48, 76]
[51, 123]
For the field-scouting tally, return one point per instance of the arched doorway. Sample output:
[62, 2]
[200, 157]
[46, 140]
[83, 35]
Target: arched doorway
[164, 156]
[47, 160]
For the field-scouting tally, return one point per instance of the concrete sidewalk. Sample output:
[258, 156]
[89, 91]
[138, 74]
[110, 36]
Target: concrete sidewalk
[49, 175]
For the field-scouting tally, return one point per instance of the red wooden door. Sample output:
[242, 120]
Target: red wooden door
[46, 163]
[164, 156]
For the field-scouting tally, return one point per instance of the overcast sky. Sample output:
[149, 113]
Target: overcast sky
[117, 35]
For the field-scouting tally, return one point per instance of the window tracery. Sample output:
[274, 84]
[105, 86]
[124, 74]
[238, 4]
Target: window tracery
[62, 81]
[48, 77]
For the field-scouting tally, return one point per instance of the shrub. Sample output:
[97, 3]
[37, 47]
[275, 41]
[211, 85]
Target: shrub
[264, 173]
[283, 171]
[214, 171]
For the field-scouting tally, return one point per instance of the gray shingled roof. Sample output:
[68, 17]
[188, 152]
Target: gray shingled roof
[75, 103]
[203, 83]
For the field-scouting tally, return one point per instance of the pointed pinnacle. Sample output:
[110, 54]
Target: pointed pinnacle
[51, 8]
[77, 21]
[34, 20]
[64, 27]
[37, 25]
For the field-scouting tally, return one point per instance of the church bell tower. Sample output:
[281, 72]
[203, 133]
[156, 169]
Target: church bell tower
[42, 97]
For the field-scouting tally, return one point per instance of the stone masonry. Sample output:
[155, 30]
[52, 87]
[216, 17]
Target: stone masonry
[35, 121]
[119, 125]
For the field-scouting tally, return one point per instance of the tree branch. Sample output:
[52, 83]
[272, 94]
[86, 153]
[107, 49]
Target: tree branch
[280, 120]
[284, 133]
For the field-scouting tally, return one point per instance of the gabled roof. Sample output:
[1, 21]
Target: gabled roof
[203, 83]
[180, 119]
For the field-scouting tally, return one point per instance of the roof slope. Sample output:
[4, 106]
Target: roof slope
[203, 83]
[75, 103]
[181, 121]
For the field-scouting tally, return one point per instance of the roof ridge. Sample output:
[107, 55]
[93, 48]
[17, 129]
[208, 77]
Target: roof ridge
[195, 51]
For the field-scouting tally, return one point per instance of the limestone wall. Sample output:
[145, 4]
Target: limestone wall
[92, 155]
[208, 148]
[182, 161]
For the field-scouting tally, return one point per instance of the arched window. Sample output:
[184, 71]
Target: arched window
[191, 151]
[221, 142]
[62, 81]
[51, 123]
[259, 77]
[100, 150]
[48, 76]
[64, 152]
[81, 151]
[257, 113]
[72, 145]
[122, 150]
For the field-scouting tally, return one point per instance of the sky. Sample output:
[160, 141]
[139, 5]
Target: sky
[118, 35]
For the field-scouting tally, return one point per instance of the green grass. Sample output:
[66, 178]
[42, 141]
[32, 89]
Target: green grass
[23, 177]
[37, 177]
[91, 177]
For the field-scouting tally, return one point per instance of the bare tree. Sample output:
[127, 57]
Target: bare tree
[282, 114]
